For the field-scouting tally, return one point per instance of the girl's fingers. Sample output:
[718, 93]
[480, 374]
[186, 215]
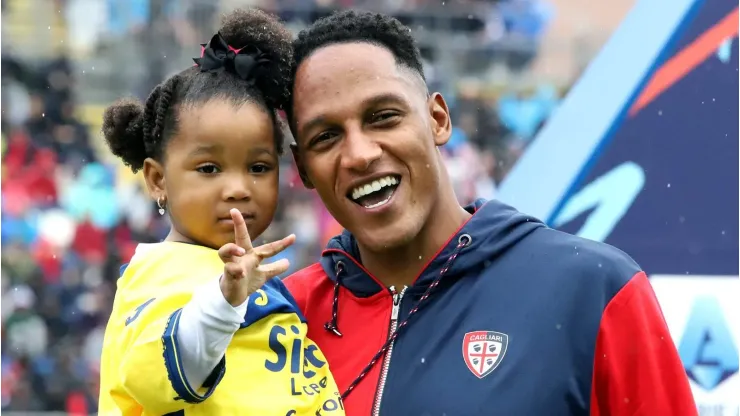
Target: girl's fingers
[241, 235]
[274, 269]
[227, 252]
[233, 270]
[270, 249]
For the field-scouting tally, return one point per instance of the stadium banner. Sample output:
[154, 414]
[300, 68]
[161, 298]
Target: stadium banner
[643, 152]
[703, 316]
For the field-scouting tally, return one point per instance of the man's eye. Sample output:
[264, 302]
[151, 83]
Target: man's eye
[207, 169]
[381, 116]
[322, 138]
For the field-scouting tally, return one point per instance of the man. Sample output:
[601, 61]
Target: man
[431, 308]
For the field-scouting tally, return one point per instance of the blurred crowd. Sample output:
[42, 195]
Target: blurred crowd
[71, 215]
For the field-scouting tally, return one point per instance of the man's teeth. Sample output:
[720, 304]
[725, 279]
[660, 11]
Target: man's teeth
[373, 186]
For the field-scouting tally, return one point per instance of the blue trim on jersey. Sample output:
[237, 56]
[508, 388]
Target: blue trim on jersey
[122, 269]
[173, 363]
[272, 298]
[138, 311]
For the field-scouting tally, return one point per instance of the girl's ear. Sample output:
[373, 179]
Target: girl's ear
[155, 180]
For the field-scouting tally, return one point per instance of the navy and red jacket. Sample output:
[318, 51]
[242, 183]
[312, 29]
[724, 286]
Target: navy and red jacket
[521, 320]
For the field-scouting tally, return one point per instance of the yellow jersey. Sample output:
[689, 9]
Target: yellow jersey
[270, 366]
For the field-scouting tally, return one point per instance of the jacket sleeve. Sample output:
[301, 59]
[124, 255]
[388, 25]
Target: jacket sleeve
[149, 370]
[637, 369]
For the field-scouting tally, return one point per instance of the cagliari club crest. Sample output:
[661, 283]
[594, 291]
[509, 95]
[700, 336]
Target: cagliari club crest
[483, 351]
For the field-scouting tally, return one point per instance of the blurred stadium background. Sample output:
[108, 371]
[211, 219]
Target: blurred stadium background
[71, 215]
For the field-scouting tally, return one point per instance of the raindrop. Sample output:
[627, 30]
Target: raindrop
[558, 326]
[723, 232]
[419, 257]
[660, 112]
[668, 186]
[470, 16]
[713, 100]
[43, 114]
[626, 400]
[427, 165]
[48, 27]
[600, 265]
[93, 68]
[422, 360]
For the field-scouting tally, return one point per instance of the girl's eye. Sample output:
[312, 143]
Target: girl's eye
[259, 169]
[208, 169]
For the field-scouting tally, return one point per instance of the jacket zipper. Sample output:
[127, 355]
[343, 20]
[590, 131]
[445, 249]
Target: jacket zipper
[387, 359]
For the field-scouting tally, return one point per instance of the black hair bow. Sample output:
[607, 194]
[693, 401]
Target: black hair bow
[248, 63]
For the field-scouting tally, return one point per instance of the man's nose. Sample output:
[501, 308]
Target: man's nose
[359, 151]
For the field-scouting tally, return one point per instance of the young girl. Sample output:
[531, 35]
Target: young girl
[208, 143]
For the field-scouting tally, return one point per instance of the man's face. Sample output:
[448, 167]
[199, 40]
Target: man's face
[366, 136]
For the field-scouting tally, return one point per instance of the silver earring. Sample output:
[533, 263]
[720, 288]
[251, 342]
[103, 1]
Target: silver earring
[160, 204]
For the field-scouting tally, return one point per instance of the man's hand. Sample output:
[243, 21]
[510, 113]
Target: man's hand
[243, 273]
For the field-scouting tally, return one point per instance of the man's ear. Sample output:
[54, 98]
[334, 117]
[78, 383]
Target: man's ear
[299, 165]
[155, 181]
[440, 119]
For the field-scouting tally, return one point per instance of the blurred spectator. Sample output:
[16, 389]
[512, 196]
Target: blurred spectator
[525, 114]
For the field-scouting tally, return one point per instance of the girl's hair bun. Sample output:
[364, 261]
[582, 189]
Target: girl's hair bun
[243, 27]
[123, 128]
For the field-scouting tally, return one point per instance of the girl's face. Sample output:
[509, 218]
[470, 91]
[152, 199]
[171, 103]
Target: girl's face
[222, 156]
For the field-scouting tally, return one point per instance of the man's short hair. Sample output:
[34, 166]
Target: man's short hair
[353, 26]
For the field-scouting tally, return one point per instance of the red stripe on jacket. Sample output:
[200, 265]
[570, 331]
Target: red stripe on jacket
[637, 370]
[364, 323]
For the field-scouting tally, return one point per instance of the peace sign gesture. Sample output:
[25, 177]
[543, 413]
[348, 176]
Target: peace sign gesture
[243, 273]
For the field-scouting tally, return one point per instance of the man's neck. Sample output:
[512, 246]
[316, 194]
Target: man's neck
[401, 266]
